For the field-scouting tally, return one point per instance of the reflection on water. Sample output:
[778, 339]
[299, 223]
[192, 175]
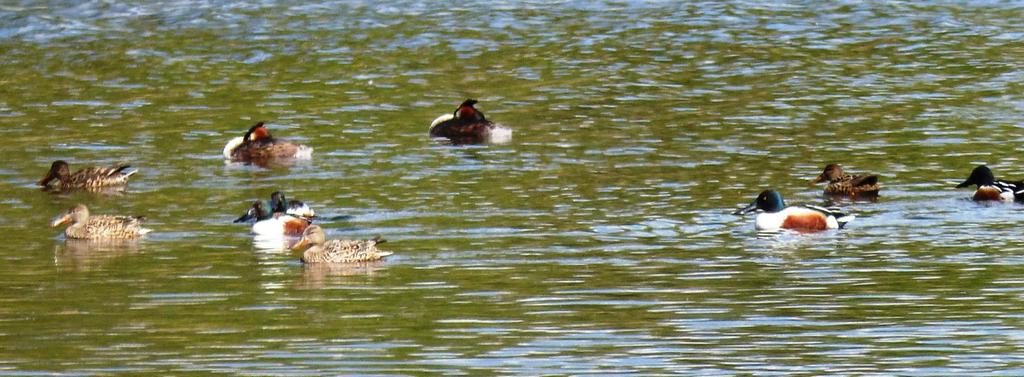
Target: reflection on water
[85, 255]
[599, 240]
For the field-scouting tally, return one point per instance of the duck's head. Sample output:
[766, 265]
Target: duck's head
[257, 132]
[833, 172]
[768, 201]
[466, 111]
[77, 214]
[58, 169]
[256, 212]
[313, 235]
[278, 202]
[980, 176]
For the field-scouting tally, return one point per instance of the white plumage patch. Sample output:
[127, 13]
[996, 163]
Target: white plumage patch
[304, 152]
[500, 134]
[231, 145]
[441, 119]
[774, 221]
[301, 211]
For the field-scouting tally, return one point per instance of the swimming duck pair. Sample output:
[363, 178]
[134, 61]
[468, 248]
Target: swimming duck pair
[466, 125]
[776, 215]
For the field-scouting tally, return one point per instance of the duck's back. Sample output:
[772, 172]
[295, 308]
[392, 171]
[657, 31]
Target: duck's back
[266, 149]
[105, 226]
[99, 176]
[463, 131]
[345, 251]
[853, 184]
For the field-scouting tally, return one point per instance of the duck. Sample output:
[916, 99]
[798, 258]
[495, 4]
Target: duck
[841, 184]
[992, 189]
[258, 145]
[467, 125]
[280, 204]
[273, 224]
[60, 176]
[84, 226]
[338, 251]
[777, 215]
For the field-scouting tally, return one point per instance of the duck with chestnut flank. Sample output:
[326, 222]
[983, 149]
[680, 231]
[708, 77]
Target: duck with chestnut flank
[853, 186]
[467, 125]
[776, 215]
[60, 176]
[992, 189]
[84, 226]
[273, 224]
[338, 251]
[258, 145]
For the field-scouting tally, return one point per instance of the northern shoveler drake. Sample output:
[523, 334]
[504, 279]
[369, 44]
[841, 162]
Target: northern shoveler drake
[257, 145]
[280, 204]
[806, 217]
[467, 125]
[854, 186]
[273, 224]
[60, 176]
[338, 251]
[990, 188]
[84, 226]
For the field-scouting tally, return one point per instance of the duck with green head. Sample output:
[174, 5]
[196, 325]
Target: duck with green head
[776, 215]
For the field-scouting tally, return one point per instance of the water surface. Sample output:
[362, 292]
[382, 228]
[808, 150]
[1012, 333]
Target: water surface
[599, 240]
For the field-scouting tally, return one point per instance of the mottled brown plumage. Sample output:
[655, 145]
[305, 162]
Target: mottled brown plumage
[84, 226]
[337, 251]
[840, 184]
[466, 125]
[60, 176]
[259, 146]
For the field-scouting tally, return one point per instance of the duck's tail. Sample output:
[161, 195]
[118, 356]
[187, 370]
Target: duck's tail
[843, 219]
[304, 152]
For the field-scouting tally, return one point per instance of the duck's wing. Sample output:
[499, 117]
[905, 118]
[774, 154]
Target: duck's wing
[101, 176]
[116, 226]
[352, 251]
[863, 180]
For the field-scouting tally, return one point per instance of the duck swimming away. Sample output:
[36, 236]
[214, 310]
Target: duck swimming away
[467, 125]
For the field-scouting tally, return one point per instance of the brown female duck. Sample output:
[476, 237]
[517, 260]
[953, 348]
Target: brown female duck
[258, 145]
[60, 176]
[84, 226]
[841, 184]
[337, 251]
[467, 125]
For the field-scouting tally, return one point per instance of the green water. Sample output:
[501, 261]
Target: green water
[599, 240]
